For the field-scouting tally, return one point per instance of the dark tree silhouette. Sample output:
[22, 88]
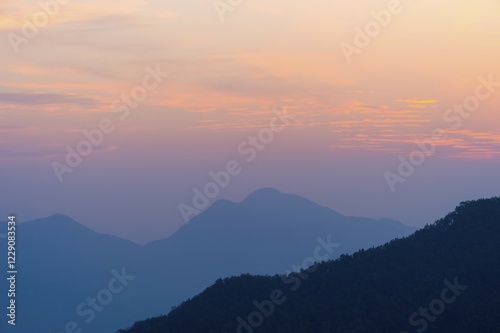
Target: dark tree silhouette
[375, 290]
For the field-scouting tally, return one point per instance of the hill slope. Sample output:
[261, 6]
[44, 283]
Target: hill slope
[443, 278]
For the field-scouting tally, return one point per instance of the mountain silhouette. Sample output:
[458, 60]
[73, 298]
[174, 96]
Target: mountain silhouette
[64, 263]
[443, 278]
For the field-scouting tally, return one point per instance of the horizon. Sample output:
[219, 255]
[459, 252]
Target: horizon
[49, 217]
[116, 115]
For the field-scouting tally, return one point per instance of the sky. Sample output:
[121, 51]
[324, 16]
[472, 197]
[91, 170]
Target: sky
[373, 108]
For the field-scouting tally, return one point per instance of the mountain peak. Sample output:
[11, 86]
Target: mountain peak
[57, 221]
[60, 218]
[271, 198]
[265, 193]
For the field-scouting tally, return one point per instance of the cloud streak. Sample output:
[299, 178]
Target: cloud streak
[45, 99]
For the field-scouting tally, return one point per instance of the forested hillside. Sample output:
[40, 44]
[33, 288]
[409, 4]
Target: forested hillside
[444, 278]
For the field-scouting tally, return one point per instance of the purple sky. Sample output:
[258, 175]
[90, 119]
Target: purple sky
[398, 121]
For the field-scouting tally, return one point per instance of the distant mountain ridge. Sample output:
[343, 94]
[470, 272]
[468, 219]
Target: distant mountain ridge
[64, 263]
